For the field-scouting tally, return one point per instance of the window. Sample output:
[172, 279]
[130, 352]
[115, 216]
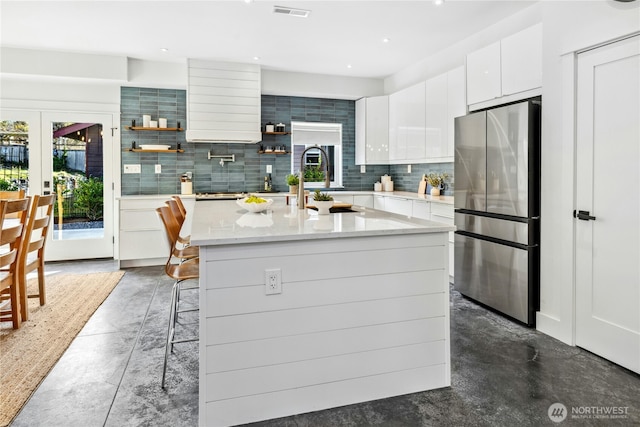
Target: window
[327, 136]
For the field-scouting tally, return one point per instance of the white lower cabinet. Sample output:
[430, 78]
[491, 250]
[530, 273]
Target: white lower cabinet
[379, 202]
[365, 201]
[398, 206]
[444, 213]
[421, 209]
[142, 239]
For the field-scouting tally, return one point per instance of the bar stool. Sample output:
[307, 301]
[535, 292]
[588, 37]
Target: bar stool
[187, 269]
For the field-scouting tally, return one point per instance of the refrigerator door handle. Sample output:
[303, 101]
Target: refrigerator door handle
[583, 215]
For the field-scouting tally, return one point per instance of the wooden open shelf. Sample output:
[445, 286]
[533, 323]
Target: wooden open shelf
[273, 152]
[140, 150]
[156, 129]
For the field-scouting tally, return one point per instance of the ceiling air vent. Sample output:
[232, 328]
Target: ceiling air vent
[283, 10]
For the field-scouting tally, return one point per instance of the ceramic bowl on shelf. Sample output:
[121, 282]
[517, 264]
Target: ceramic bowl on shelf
[254, 207]
[154, 147]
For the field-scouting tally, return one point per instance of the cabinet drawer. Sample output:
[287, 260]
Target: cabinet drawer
[143, 203]
[421, 209]
[441, 209]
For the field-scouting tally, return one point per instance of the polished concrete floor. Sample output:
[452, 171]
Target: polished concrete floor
[503, 374]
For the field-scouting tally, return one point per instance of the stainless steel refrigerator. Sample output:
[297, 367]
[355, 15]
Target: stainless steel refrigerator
[497, 208]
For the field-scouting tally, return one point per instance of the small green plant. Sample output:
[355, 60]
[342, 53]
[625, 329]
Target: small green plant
[293, 179]
[7, 186]
[89, 196]
[321, 197]
[313, 174]
[436, 179]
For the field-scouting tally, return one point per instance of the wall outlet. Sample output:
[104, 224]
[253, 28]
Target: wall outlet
[269, 168]
[131, 168]
[158, 168]
[363, 169]
[273, 281]
[408, 168]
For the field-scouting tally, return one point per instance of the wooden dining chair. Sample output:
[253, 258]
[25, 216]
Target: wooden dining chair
[9, 195]
[180, 248]
[186, 270]
[33, 244]
[11, 237]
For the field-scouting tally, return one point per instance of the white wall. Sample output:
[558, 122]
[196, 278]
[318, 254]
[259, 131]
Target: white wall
[318, 85]
[568, 27]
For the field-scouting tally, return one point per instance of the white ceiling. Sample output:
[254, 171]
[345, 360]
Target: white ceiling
[335, 35]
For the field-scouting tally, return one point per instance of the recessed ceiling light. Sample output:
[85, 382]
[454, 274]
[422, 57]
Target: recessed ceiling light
[284, 10]
[349, 66]
[386, 40]
[248, 1]
[164, 49]
[438, 2]
[256, 58]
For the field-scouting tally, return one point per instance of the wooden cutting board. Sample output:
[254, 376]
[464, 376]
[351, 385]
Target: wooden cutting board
[422, 187]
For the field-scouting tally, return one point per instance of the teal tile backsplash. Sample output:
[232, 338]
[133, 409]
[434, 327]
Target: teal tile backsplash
[248, 171]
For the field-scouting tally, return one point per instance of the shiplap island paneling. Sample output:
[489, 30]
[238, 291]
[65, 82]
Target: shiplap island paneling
[363, 312]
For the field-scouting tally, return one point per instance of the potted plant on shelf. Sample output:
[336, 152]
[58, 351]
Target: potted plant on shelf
[292, 182]
[323, 202]
[436, 180]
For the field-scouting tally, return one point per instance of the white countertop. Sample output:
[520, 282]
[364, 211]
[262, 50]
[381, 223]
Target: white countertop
[223, 222]
[447, 200]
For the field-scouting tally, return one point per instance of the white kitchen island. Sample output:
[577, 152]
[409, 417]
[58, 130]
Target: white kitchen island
[363, 311]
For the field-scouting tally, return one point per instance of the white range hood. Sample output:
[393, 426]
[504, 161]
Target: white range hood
[223, 102]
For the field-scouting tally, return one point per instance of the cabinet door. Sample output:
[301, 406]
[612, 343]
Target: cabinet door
[421, 209]
[436, 117]
[378, 202]
[483, 74]
[415, 124]
[361, 131]
[365, 201]
[456, 106]
[521, 59]
[395, 116]
[377, 130]
[398, 206]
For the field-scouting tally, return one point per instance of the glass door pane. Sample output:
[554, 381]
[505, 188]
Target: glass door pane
[14, 155]
[77, 153]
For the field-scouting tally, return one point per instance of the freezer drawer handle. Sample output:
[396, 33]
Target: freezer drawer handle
[583, 215]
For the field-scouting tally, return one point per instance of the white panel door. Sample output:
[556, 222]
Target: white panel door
[607, 266]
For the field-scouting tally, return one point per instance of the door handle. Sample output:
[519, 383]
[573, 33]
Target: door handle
[583, 215]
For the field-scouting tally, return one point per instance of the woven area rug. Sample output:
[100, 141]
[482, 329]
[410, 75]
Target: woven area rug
[28, 354]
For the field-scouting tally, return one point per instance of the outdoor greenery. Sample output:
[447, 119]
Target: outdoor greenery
[7, 186]
[89, 197]
[313, 174]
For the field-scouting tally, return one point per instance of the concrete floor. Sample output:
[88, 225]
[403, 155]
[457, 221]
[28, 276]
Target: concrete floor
[503, 374]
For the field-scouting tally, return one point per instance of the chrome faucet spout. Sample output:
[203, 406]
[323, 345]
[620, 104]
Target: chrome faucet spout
[327, 178]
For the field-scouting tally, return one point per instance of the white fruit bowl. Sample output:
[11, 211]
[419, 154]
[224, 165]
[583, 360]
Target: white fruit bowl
[254, 207]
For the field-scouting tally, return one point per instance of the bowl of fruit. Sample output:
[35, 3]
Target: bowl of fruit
[254, 203]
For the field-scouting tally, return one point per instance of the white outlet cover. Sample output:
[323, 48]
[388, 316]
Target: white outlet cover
[269, 168]
[158, 168]
[408, 168]
[131, 168]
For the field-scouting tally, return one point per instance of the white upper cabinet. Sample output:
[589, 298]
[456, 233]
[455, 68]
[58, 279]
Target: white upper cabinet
[483, 74]
[444, 102]
[407, 125]
[506, 71]
[522, 61]
[436, 116]
[372, 130]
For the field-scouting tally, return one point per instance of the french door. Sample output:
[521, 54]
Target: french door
[607, 266]
[70, 154]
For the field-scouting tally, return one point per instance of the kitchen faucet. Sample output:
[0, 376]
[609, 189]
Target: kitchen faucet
[327, 179]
